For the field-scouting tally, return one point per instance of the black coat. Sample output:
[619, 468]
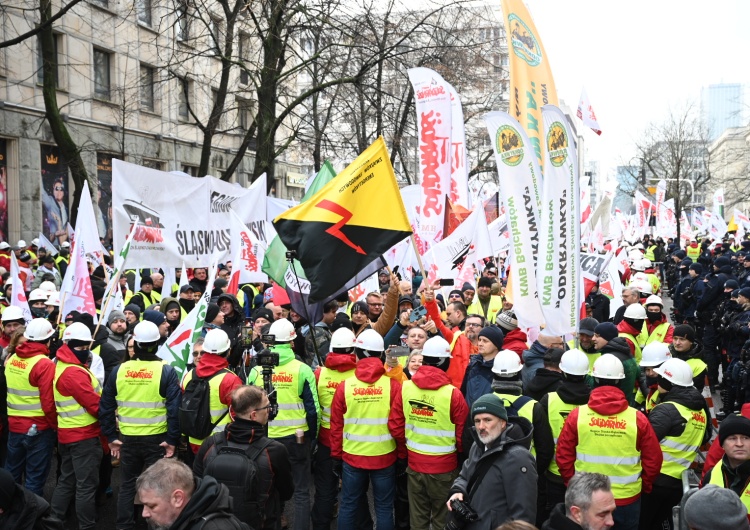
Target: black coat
[559, 521]
[544, 382]
[210, 500]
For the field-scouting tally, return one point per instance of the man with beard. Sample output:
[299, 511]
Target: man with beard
[118, 327]
[630, 295]
[486, 304]
[187, 298]
[589, 505]
[474, 324]
[132, 315]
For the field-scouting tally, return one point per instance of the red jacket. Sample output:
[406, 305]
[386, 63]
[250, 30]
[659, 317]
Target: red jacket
[208, 366]
[716, 452]
[624, 327]
[516, 340]
[341, 362]
[431, 378]
[76, 383]
[461, 351]
[652, 326]
[41, 376]
[608, 401]
[368, 371]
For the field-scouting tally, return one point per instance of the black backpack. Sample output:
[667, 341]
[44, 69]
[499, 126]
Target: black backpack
[195, 407]
[236, 467]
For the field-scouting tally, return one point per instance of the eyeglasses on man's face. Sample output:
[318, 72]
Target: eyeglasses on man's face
[267, 407]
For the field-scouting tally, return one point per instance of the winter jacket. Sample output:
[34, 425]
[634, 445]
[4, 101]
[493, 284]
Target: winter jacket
[41, 376]
[233, 327]
[387, 317]
[544, 382]
[599, 304]
[117, 342]
[368, 370]
[76, 383]
[714, 287]
[273, 464]
[209, 499]
[716, 451]
[737, 333]
[431, 378]
[461, 351]
[478, 379]
[533, 359]
[559, 521]
[687, 294]
[651, 326]
[108, 353]
[517, 341]
[620, 348]
[509, 489]
[28, 511]
[609, 401]
[735, 479]
[624, 327]
[341, 362]
[696, 352]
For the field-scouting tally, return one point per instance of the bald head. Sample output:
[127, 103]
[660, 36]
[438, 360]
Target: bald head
[550, 341]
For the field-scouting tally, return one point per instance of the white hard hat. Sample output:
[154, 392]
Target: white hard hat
[12, 313]
[145, 332]
[35, 242]
[282, 330]
[574, 362]
[608, 367]
[21, 243]
[654, 354]
[38, 295]
[636, 311]
[639, 246]
[8, 282]
[4, 245]
[343, 338]
[370, 340]
[38, 329]
[643, 286]
[53, 299]
[64, 244]
[77, 331]
[47, 286]
[640, 276]
[636, 266]
[507, 362]
[676, 371]
[646, 263]
[654, 300]
[216, 341]
[436, 347]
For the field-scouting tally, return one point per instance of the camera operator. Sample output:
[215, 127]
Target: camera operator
[296, 425]
[498, 482]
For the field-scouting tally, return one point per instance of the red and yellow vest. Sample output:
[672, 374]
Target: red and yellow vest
[70, 414]
[680, 451]
[23, 397]
[368, 406]
[328, 382]
[557, 412]
[429, 429]
[216, 406]
[717, 479]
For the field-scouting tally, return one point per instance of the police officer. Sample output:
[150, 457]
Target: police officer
[146, 394]
[297, 397]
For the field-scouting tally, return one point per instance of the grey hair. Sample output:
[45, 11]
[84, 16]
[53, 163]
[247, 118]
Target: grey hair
[166, 476]
[581, 489]
[632, 290]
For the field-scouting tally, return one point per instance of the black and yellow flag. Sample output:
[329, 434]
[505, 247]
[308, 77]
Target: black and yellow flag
[346, 225]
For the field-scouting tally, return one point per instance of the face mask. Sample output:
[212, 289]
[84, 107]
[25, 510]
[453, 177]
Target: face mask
[651, 381]
[39, 312]
[82, 355]
[187, 305]
[653, 317]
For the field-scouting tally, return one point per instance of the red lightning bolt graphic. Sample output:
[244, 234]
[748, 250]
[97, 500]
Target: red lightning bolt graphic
[335, 230]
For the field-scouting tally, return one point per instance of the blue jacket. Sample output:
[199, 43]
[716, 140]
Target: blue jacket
[533, 359]
[737, 333]
[478, 379]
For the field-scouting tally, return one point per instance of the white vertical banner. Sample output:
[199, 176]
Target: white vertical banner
[18, 296]
[586, 113]
[666, 222]
[433, 105]
[518, 170]
[169, 280]
[459, 191]
[686, 232]
[46, 244]
[698, 223]
[718, 205]
[249, 252]
[558, 273]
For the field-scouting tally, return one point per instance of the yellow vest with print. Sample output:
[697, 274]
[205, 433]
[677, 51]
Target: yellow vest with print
[527, 411]
[680, 451]
[650, 402]
[697, 366]
[717, 479]
[217, 407]
[557, 412]
[70, 414]
[638, 353]
[495, 306]
[23, 397]
[658, 335]
[429, 429]
[693, 253]
[366, 418]
[141, 409]
[292, 415]
[607, 445]
[328, 382]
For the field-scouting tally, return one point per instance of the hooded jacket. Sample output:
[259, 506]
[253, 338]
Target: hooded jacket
[368, 370]
[76, 384]
[559, 521]
[620, 348]
[478, 379]
[461, 350]
[209, 498]
[544, 382]
[651, 326]
[624, 327]
[533, 359]
[41, 376]
[233, 327]
[516, 340]
[509, 489]
[341, 362]
[610, 401]
[273, 463]
[432, 378]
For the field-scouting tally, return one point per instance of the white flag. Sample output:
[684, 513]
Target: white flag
[47, 245]
[169, 281]
[611, 286]
[586, 113]
[717, 227]
[459, 192]
[18, 296]
[249, 252]
[718, 201]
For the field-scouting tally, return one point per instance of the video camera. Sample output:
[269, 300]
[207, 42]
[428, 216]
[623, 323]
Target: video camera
[267, 360]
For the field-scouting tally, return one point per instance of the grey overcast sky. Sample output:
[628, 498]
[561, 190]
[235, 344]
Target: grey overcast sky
[637, 59]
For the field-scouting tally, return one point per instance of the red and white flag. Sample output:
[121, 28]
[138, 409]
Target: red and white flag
[249, 252]
[586, 113]
[18, 296]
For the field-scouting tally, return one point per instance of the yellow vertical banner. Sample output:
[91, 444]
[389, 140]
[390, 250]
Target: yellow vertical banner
[531, 82]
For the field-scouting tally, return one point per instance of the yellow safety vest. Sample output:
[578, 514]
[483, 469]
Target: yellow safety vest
[495, 306]
[649, 254]
[591, 356]
[527, 411]
[557, 412]
[638, 352]
[680, 451]
[607, 445]
[717, 479]
[148, 299]
[70, 414]
[658, 335]
[23, 397]
[429, 429]
[59, 259]
[141, 409]
[650, 402]
[292, 414]
[328, 382]
[697, 365]
[215, 405]
[368, 406]
[693, 253]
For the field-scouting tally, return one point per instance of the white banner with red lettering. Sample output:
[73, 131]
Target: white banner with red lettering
[586, 113]
[459, 192]
[18, 296]
[434, 112]
[666, 222]
[519, 173]
[249, 252]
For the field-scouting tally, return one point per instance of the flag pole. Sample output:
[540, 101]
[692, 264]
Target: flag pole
[419, 257]
[290, 258]
[104, 307]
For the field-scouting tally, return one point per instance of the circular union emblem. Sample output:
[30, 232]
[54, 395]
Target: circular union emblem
[524, 42]
[557, 144]
[509, 145]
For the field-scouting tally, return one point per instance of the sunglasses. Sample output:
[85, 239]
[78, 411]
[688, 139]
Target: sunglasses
[58, 188]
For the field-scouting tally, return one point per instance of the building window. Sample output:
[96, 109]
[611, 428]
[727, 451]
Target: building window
[190, 170]
[183, 98]
[244, 113]
[244, 53]
[148, 78]
[102, 73]
[143, 9]
[40, 70]
[183, 23]
[214, 26]
[153, 164]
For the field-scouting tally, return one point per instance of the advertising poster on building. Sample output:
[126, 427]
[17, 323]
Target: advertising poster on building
[3, 189]
[54, 194]
[103, 204]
